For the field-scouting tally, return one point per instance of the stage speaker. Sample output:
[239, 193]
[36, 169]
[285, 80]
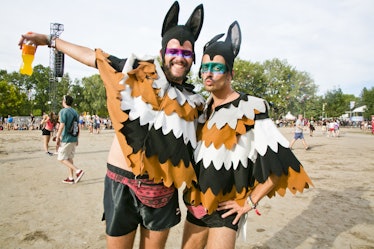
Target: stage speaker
[59, 64]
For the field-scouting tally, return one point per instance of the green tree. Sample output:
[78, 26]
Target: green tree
[40, 85]
[337, 103]
[249, 78]
[367, 97]
[285, 88]
[94, 96]
[12, 100]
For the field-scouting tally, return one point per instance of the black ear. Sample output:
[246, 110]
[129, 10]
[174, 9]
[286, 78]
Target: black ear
[195, 22]
[213, 40]
[234, 37]
[171, 18]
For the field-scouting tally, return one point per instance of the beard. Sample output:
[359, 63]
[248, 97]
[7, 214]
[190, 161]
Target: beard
[171, 77]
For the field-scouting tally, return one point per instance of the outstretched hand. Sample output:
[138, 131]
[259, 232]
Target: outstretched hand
[35, 38]
[233, 207]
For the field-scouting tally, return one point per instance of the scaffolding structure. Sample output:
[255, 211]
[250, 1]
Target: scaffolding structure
[56, 64]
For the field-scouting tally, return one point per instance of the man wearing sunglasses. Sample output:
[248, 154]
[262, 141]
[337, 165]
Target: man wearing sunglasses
[240, 157]
[154, 113]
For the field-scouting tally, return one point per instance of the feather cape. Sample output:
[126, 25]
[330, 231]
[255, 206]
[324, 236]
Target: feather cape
[238, 147]
[155, 122]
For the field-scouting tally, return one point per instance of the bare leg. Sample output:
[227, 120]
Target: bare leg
[305, 144]
[221, 238]
[69, 163]
[292, 142]
[194, 237]
[46, 142]
[121, 242]
[153, 239]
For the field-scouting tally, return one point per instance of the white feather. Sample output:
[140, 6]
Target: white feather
[228, 158]
[267, 135]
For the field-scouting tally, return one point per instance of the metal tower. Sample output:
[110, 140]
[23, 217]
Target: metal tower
[56, 64]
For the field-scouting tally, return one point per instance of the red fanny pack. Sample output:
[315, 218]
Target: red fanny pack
[199, 211]
[151, 194]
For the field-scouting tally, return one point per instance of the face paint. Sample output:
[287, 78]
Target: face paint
[187, 54]
[213, 67]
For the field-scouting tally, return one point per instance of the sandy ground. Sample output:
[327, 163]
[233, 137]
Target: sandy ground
[38, 211]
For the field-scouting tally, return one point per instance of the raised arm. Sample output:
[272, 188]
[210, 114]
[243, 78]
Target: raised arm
[79, 53]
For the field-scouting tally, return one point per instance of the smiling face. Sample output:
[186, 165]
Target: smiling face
[214, 73]
[178, 61]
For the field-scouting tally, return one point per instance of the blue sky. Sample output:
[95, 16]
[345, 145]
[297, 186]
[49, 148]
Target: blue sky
[331, 40]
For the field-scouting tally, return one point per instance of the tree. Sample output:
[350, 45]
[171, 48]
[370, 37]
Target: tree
[337, 103]
[38, 82]
[249, 78]
[12, 100]
[285, 88]
[367, 98]
[94, 96]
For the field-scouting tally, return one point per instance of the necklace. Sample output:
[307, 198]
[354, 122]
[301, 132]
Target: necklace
[220, 103]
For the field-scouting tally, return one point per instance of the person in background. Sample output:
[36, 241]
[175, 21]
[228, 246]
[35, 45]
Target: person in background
[9, 122]
[81, 121]
[299, 132]
[32, 122]
[96, 123]
[240, 158]
[55, 135]
[48, 123]
[154, 112]
[311, 127]
[66, 142]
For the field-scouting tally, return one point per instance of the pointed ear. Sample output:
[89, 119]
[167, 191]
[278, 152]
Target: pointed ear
[234, 37]
[213, 40]
[171, 18]
[195, 22]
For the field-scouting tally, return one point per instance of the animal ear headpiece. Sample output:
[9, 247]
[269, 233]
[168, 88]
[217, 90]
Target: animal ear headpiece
[229, 48]
[188, 32]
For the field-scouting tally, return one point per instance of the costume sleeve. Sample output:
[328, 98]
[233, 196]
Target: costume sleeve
[111, 78]
[275, 157]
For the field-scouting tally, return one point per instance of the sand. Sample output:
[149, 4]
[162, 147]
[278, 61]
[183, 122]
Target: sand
[38, 211]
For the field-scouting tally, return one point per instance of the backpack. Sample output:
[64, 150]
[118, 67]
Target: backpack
[74, 129]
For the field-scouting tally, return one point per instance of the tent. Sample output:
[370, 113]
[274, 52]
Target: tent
[357, 113]
[360, 109]
[289, 116]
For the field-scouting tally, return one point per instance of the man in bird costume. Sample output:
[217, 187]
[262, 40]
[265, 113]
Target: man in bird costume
[241, 156]
[154, 113]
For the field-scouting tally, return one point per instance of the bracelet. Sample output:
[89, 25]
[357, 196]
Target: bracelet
[253, 205]
[51, 41]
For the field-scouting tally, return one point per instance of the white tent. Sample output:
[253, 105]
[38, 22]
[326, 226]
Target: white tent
[357, 113]
[360, 109]
[289, 116]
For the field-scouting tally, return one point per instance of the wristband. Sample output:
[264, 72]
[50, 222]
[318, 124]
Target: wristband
[51, 41]
[253, 205]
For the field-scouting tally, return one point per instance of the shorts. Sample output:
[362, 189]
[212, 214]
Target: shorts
[213, 220]
[123, 211]
[298, 135]
[66, 151]
[46, 132]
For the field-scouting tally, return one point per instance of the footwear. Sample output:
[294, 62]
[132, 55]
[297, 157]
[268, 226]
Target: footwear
[68, 181]
[307, 148]
[79, 176]
[49, 153]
